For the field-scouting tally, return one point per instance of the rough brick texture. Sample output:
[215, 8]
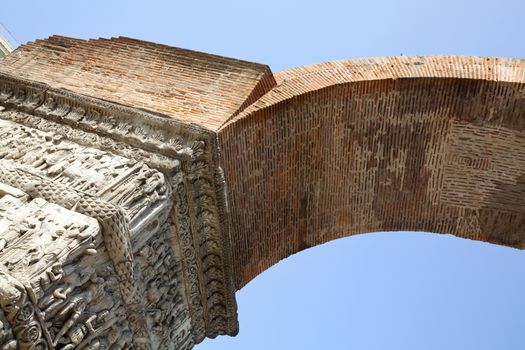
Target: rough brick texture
[431, 144]
[190, 86]
[327, 150]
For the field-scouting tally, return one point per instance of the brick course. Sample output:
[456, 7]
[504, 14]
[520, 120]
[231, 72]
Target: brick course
[327, 150]
[190, 86]
[432, 144]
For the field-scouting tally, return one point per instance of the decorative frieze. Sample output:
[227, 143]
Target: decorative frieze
[144, 172]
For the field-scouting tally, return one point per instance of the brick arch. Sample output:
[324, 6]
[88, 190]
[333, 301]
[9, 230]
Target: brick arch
[433, 144]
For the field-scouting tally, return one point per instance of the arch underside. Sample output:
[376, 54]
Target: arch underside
[329, 160]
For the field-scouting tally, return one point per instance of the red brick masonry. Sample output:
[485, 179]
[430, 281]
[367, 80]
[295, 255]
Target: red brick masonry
[432, 144]
[329, 150]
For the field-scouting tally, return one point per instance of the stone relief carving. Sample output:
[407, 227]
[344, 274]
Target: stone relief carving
[154, 187]
[53, 291]
[166, 313]
[116, 235]
[127, 183]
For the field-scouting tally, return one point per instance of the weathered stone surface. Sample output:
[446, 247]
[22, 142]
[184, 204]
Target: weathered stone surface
[177, 211]
[142, 185]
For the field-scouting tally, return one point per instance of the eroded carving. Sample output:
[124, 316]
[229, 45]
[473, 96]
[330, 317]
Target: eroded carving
[120, 185]
[166, 311]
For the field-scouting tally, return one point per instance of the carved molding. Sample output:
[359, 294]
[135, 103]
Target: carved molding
[186, 154]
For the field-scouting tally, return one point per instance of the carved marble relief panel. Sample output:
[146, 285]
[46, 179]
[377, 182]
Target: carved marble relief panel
[59, 289]
[78, 292]
[159, 265]
[124, 182]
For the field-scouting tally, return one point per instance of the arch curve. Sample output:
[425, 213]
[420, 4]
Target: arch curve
[432, 144]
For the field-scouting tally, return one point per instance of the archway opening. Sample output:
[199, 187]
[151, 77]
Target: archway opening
[386, 290]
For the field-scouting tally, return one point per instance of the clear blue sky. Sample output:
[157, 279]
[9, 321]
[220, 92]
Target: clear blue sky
[376, 291]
